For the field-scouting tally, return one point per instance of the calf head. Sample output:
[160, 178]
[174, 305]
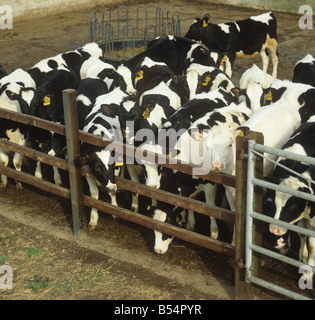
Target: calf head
[165, 213]
[102, 165]
[291, 209]
[220, 142]
[195, 30]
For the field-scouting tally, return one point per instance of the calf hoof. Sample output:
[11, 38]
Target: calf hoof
[18, 187]
[92, 227]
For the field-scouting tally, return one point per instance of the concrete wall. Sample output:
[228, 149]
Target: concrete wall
[27, 9]
[276, 5]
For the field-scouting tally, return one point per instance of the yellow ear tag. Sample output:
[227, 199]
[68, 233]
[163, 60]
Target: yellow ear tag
[224, 59]
[269, 96]
[206, 81]
[139, 75]
[169, 155]
[177, 219]
[146, 113]
[308, 205]
[204, 24]
[119, 162]
[46, 101]
[241, 134]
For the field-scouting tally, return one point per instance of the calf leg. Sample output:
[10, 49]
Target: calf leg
[17, 162]
[95, 195]
[210, 194]
[4, 161]
[265, 60]
[132, 170]
[272, 46]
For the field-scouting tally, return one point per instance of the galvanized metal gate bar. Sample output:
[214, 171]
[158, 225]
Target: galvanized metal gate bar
[250, 247]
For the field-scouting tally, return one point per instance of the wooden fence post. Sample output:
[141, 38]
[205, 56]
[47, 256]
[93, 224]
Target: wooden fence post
[243, 290]
[73, 149]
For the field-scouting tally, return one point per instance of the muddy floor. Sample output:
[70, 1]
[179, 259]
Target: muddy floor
[116, 260]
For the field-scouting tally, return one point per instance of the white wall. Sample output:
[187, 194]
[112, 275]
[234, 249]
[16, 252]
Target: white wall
[279, 5]
[27, 9]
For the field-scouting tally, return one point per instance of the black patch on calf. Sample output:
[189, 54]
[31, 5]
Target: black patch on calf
[52, 64]
[215, 118]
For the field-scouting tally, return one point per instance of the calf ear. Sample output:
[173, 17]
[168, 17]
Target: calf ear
[205, 20]
[47, 99]
[109, 110]
[148, 109]
[237, 91]
[11, 95]
[81, 161]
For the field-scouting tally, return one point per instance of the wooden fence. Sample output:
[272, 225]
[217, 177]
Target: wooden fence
[74, 136]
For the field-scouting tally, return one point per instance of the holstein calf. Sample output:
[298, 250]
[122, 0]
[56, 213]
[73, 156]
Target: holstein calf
[304, 71]
[204, 79]
[103, 121]
[174, 140]
[289, 208]
[72, 59]
[113, 77]
[16, 91]
[256, 75]
[302, 96]
[245, 38]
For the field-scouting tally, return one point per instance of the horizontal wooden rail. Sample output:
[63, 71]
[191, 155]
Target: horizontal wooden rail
[180, 201]
[128, 185]
[128, 215]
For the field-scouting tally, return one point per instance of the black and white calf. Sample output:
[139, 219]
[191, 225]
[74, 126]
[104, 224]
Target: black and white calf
[47, 102]
[103, 121]
[174, 140]
[289, 208]
[245, 38]
[114, 75]
[204, 79]
[304, 71]
[301, 95]
[16, 90]
[256, 75]
[72, 59]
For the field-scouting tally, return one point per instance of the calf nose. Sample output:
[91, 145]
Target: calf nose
[52, 152]
[217, 166]
[132, 92]
[276, 230]
[159, 251]
[111, 187]
[152, 185]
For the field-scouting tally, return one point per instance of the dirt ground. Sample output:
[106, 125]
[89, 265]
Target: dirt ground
[116, 261]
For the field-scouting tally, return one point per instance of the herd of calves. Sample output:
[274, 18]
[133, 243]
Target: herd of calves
[176, 99]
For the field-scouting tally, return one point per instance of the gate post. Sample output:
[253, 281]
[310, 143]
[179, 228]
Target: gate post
[243, 290]
[73, 149]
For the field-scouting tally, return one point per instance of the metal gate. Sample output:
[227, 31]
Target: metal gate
[122, 34]
[255, 152]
